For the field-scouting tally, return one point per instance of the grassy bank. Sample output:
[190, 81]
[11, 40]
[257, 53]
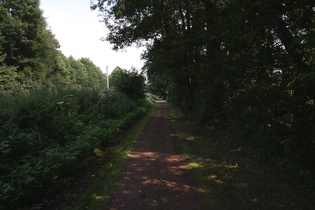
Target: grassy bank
[228, 177]
[97, 192]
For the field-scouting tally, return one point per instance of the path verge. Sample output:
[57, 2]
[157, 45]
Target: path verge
[229, 177]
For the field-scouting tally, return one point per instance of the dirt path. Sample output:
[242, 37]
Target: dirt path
[155, 175]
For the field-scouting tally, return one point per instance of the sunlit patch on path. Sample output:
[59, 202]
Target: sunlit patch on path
[155, 176]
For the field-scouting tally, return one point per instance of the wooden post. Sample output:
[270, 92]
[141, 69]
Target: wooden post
[107, 79]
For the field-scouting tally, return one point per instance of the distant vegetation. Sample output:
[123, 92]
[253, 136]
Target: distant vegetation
[131, 83]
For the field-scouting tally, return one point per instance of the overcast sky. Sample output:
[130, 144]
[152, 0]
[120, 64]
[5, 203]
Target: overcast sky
[78, 31]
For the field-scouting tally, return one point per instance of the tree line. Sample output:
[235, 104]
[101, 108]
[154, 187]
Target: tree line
[29, 54]
[246, 67]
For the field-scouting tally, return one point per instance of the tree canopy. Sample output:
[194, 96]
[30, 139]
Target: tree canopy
[29, 52]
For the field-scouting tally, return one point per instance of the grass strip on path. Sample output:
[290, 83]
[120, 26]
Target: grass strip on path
[227, 177]
[97, 192]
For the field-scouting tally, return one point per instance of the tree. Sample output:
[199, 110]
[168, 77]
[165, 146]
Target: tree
[7, 77]
[95, 76]
[26, 43]
[130, 82]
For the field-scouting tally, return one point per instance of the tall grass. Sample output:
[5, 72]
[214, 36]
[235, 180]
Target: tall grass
[46, 135]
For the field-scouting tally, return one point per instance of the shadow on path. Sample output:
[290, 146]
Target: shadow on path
[155, 175]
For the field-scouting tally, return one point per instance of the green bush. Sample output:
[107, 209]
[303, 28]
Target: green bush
[48, 134]
[131, 83]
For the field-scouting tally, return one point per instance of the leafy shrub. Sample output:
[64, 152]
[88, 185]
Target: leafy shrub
[130, 82]
[48, 134]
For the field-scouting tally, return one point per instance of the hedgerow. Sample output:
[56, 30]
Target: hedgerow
[46, 135]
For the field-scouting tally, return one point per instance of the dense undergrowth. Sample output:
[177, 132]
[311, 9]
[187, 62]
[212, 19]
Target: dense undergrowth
[227, 176]
[46, 135]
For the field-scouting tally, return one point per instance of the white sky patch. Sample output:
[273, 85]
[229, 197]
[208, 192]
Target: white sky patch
[78, 30]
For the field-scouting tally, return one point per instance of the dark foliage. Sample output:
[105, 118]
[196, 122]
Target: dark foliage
[242, 66]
